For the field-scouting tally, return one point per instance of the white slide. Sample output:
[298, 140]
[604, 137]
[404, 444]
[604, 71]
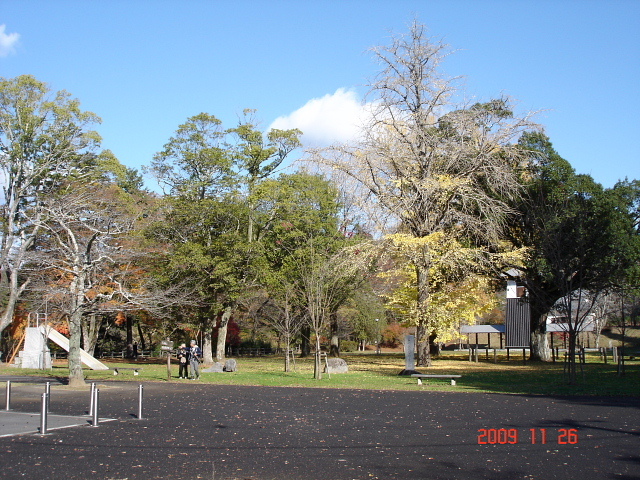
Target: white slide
[62, 341]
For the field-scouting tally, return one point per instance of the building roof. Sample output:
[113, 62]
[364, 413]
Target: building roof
[482, 329]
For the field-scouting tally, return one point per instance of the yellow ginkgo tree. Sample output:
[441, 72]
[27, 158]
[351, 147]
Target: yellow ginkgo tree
[461, 287]
[431, 166]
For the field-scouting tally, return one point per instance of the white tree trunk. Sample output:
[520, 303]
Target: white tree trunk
[207, 346]
[222, 334]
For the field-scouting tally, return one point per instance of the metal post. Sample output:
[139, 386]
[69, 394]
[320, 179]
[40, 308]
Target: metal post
[140, 394]
[43, 414]
[96, 404]
[47, 390]
[91, 401]
[8, 395]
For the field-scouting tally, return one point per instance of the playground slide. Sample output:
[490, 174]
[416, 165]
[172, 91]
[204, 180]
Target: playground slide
[63, 342]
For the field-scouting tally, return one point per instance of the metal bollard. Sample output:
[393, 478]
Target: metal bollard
[96, 406]
[8, 395]
[140, 391]
[43, 414]
[93, 392]
[47, 390]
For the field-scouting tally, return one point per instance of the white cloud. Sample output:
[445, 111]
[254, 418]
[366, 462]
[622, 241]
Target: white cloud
[7, 42]
[335, 117]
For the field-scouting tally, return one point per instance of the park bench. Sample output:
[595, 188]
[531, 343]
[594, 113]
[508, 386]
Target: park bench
[420, 376]
[136, 370]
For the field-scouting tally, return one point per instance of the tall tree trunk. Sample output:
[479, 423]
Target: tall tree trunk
[317, 372]
[207, 345]
[422, 331]
[76, 376]
[143, 343]
[129, 328]
[334, 348]
[571, 356]
[11, 275]
[207, 320]
[90, 331]
[15, 290]
[540, 350]
[422, 346]
[222, 333]
[287, 351]
[305, 344]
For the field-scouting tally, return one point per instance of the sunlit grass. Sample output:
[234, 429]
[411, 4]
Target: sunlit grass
[380, 372]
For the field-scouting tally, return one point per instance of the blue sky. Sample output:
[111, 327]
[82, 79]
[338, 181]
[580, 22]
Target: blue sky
[146, 66]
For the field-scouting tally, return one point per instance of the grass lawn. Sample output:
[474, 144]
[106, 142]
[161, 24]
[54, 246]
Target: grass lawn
[380, 372]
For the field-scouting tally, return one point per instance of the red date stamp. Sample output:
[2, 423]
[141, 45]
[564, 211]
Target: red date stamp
[512, 436]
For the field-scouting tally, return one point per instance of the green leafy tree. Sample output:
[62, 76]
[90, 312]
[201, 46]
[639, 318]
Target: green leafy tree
[310, 264]
[195, 162]
[258, 155]
[366, 315]
[211, 175]
[110, 168]
[581, 238]
[294, 208]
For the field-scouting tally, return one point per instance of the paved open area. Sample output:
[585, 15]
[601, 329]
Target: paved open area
[192, 430]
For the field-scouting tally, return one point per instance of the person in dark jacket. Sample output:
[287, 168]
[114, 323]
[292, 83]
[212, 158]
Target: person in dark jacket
[183, 361]
[195, 357]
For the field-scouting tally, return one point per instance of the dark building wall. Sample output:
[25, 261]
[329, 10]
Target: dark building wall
[518, 323]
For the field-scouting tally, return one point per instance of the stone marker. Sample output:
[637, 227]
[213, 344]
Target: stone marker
[409, 355]
[336, 365]
[215, 368]
[409, 352]
[230, 365]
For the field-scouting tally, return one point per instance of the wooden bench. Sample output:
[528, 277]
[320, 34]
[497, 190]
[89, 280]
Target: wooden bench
[420, 376]
[136, 370]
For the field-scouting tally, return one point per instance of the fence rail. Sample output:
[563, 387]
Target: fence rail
[248, 352]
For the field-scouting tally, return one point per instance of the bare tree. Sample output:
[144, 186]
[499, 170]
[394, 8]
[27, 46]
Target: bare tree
[80, 236]
[43, 138]
[603, 309]
[325, 280]
[432, 165]
[281, 315]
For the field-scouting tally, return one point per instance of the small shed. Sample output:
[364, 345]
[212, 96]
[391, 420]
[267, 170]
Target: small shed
[518, 315]
[484, 329]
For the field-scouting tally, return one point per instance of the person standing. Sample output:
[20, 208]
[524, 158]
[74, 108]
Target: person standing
[195, 356]
[183, 361]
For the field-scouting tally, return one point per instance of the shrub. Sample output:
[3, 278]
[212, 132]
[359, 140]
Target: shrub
[348, 346]
[393, 335]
